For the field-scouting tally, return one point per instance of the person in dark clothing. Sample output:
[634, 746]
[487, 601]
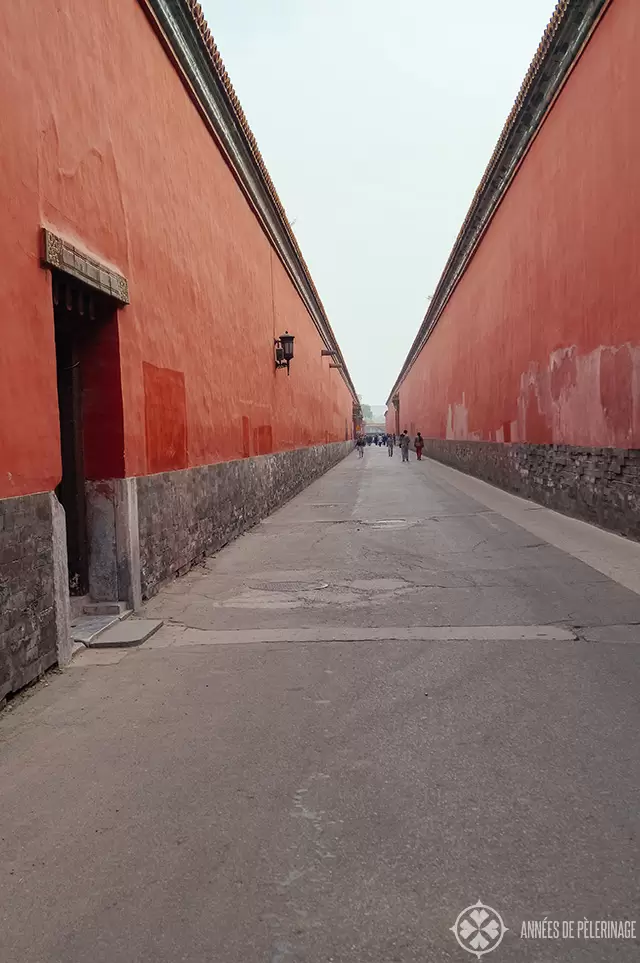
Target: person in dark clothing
[405, 442]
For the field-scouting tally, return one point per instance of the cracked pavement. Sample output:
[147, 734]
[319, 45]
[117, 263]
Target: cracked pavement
[388, 700]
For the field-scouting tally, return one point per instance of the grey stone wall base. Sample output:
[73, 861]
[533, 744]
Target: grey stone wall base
[61, 602]
[128, 542]
[114, 548]
[599, 485]
[28, 614]
[185, 515]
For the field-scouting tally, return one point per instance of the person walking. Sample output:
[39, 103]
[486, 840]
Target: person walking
[360, 446]
[418, 444]
[405, 441]
[390, 445]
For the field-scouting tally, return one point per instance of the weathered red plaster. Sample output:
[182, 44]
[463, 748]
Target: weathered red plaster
[540, 341]
[103, 145]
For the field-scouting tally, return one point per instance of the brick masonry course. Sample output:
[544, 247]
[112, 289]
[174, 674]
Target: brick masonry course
[27, 599]
[185, 515]
[599, 485]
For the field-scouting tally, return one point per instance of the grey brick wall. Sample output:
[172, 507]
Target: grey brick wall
[184, 515]
[27, 600]
[599, 485]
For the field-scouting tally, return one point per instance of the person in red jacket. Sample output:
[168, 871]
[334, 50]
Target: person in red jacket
[419, 445]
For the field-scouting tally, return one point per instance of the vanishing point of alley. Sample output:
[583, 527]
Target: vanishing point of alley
[402, 692]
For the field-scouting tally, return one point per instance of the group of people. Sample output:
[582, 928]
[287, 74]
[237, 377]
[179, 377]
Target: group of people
[403, 442]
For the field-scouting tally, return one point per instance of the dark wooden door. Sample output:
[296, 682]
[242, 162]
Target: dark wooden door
[69, 334]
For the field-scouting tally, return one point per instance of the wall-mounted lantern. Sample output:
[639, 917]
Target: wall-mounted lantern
[284, 350]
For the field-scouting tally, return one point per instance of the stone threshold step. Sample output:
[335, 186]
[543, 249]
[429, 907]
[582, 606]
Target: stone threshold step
[127, 633]
[120, 609]
[86, 628]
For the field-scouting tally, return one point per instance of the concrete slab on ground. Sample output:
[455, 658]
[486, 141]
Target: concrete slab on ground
[180, 635]
[612, 633]
[130, 632]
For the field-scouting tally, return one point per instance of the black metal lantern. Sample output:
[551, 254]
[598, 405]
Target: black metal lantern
[284, 350]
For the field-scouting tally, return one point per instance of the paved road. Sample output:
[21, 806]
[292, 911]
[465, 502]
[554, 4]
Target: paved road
[385, 703]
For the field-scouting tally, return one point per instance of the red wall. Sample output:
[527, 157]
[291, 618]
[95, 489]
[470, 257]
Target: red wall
[101, 143]
[390, 420]
[541, 339]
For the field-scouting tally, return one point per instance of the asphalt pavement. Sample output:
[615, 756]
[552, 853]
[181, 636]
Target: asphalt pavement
[402, 694]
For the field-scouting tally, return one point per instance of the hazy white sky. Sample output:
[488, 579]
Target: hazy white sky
[376, 120]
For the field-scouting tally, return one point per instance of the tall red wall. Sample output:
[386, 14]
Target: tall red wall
[101, 143]
[390, 420]
[540, 341]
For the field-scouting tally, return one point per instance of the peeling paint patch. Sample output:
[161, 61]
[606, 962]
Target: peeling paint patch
[616, 391]
[458, 420]
[589, 400]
